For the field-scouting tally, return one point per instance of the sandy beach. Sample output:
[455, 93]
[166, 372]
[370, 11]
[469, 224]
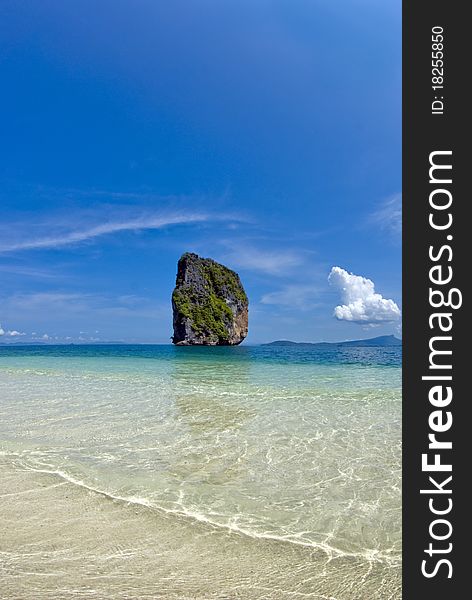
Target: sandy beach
[60, 541]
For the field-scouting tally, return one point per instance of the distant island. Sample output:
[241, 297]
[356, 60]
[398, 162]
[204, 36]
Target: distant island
[67, 343]
[382, 340]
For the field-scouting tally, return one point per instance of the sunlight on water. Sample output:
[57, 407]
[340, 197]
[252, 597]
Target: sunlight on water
[294, 454]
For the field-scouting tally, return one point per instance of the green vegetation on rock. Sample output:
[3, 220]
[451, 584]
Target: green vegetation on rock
[212, 315]
[223, 280]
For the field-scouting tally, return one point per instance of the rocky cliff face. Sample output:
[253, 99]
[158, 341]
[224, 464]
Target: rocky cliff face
[209, 304]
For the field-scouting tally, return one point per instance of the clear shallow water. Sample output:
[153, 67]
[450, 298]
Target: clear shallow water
[298, 448]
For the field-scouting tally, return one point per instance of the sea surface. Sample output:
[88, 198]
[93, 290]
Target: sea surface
[216, 472]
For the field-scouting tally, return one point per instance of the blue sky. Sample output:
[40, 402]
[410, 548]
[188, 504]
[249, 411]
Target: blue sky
[263, 134]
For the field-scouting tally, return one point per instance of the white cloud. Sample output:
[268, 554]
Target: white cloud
[10, 332]
[45, 337]
[361, 304]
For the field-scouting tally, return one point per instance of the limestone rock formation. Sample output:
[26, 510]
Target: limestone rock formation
[209, 304]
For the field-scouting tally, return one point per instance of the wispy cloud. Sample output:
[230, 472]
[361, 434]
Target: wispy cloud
[388, 216]
[145, 222]
[28, 272]
[67, 317]
[301, 297]
[78, 307]
[271, 262]
[53, 301]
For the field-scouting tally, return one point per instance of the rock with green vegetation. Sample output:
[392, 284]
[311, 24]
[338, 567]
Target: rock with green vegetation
[209, 304]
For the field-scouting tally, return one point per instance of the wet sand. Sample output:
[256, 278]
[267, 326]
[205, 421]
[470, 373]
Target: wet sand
[61, 541]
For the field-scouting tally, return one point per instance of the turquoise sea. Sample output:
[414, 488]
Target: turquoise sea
[215, 472]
